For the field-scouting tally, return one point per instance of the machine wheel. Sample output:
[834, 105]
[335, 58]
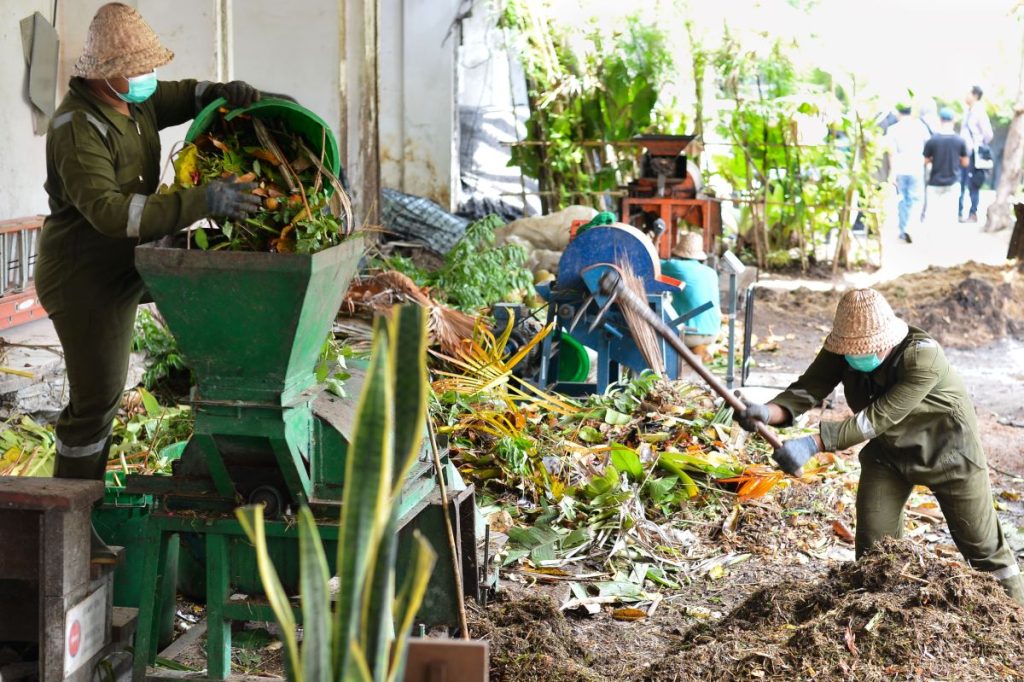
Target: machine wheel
[270, 498]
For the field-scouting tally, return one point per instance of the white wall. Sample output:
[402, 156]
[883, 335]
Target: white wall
[418, 89]
[22, 153]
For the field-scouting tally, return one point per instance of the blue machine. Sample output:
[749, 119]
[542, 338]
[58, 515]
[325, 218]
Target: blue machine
[580, 310]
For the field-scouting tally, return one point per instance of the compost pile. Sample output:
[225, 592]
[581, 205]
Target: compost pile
[965, 306]
[305, 208]
[529, 639]
[898, 613]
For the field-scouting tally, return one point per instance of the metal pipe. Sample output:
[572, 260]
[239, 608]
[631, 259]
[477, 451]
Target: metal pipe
[730, 375]
[611, 283]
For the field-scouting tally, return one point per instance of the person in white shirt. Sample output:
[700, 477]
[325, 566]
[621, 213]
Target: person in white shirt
[904, 142]
[976, 130]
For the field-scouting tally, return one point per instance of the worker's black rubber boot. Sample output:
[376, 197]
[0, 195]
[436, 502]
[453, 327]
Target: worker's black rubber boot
[91, 468]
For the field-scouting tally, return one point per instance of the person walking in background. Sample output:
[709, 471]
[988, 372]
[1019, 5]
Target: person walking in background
[929, 116]
[904, 143]
[946, 154]
[976, 130]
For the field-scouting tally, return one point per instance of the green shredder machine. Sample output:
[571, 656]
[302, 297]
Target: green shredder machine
[251, 327]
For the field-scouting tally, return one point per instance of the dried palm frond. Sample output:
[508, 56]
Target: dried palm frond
[643, 334]
[478, 366]
[380, 292]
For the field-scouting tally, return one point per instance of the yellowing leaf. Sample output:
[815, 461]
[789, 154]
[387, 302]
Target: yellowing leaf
[717, 571]
[186, 166]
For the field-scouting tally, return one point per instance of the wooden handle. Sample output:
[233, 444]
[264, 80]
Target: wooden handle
[611, 283]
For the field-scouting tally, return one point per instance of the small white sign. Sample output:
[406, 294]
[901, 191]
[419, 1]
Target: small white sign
[85, 630]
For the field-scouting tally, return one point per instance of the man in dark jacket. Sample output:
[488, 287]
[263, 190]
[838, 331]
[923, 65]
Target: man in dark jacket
[946, 154]
[103, 168]
[914, 411]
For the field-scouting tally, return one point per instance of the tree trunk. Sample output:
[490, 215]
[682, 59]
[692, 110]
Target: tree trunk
[1000, 213]
[1016, 249]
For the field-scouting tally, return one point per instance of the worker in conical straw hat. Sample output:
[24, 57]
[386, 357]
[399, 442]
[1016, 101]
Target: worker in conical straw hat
[914, 412]
[700, 286]
[103, 168]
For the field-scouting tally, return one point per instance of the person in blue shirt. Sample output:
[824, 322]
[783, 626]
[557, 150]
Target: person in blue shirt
[700, 285]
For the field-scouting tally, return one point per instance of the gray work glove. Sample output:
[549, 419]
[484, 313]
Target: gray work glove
[237, 93]
[753, 413]
[231, 199]
[794, 453]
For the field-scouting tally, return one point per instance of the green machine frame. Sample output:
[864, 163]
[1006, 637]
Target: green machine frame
[251, 326]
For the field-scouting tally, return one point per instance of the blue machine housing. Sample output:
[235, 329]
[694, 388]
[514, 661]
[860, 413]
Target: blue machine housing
[585, 259]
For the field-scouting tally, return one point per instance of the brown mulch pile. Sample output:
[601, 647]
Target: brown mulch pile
[530, 639]
[898, 613]
[968, 305]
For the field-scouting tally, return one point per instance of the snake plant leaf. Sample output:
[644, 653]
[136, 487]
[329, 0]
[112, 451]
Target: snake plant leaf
[367, 492]
[313, 581]
[409, 599]
[408, 360]
[360, 671]
[251, 520]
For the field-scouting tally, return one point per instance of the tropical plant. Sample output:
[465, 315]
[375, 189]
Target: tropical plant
[366, 636]
[587, 90]
[796, 187]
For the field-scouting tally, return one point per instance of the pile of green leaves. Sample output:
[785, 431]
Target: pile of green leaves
[646, 453]
[304, 205]
[164, 362]
[476, 274]
[140, 433]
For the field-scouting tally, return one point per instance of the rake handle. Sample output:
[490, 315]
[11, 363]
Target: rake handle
[611, 284]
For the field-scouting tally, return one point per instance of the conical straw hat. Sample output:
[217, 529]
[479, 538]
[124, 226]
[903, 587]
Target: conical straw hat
[690, 245]
[120, 43]
[864, 324]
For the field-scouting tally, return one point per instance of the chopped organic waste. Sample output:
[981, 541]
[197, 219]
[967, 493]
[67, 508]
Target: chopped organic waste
[305, 207]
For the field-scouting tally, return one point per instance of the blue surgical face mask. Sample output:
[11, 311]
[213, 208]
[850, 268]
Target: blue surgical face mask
[864, 363]
[140, 88]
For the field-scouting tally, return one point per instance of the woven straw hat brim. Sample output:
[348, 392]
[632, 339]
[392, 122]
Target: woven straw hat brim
[691, 248]
[120, 44]
[870, 343]
[123, 66]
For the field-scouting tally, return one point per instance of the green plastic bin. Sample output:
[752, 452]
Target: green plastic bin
[299, 118]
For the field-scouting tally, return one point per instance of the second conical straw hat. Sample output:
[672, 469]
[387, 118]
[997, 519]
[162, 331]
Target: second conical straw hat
[865, 323]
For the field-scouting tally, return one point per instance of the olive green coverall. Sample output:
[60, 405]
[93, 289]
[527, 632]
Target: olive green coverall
[102, 169]
[921, 429]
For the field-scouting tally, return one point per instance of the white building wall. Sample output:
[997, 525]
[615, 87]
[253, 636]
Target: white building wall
[22, 152]
[418, 90]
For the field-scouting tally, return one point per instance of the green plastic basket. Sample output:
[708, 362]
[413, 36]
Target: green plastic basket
[300, 119]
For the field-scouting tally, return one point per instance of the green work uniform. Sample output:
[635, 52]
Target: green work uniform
[921, 429]
[102, 169]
